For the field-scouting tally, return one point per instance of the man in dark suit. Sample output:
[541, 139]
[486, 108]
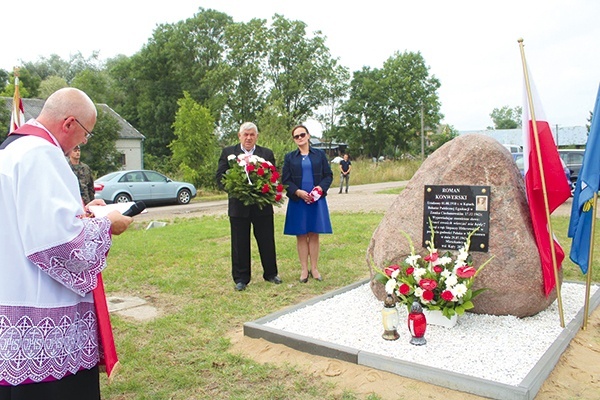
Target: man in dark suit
[241, 216]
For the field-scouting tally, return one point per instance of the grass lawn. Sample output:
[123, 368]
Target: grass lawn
[184, 270]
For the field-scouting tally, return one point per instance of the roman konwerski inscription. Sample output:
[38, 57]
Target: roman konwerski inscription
[455, 211]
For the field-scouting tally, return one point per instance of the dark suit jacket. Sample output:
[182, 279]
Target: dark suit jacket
[291, 175]
[236, 208]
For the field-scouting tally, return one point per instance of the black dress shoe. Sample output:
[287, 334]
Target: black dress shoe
[318, 278]
[304, 280]
[240, 286]
[276, 280]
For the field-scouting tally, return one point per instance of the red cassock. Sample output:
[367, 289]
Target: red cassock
[417, 324]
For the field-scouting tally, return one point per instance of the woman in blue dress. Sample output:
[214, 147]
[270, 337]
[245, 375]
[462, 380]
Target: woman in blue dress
[306, 170]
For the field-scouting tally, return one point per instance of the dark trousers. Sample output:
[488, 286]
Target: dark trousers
[84, 385]
[264, 232]
[345, 178]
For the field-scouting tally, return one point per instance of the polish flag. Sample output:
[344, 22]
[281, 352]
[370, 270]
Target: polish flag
[557, 188]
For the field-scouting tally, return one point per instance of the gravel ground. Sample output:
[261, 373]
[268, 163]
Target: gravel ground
[502, 349]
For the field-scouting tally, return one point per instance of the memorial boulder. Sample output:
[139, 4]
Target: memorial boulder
[513, 277]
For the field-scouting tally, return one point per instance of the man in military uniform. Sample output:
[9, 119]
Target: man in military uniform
[83, 173]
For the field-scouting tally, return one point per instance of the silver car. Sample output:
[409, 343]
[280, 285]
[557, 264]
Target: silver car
[149, 186]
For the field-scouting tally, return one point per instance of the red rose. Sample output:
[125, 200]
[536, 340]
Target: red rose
[273, 169]
[428, 284]
[260, 172]
[250, 167]
[273, 178]
[265, 165]
[280, 188]
[389, 270]
[410, 270]
[465, 271]
[432, 257]
[447, 295]
[404, 289]
[428, 295]
[275, 173]
[278, 197]
[437, 269]
[266, 188]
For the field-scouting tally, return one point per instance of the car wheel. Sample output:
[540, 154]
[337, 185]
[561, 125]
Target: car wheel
[184, 196]
[122, 198]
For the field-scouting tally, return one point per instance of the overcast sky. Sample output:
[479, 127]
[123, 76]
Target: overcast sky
[470, 46]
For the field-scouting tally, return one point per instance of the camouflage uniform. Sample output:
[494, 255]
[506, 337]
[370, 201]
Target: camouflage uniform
[86, 181]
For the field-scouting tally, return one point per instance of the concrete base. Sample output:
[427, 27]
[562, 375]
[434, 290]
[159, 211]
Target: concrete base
[526, 390]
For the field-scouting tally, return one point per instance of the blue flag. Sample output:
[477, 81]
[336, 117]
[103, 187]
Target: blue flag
[588, 183]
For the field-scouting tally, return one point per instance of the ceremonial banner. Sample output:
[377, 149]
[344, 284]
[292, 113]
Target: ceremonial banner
[17, 117]
[588, 183]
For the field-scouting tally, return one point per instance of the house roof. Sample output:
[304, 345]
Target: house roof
[33, 107]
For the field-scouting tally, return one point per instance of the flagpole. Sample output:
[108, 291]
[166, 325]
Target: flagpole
[543, 180]
[588, 281]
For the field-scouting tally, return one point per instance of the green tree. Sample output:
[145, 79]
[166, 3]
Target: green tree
[298, 68]
[506, 117]
[195, 148]
[177, 58]
[438, 139]
[100, 152]
[51, 85]
[363, 112]
[239, 84]
[385, 106]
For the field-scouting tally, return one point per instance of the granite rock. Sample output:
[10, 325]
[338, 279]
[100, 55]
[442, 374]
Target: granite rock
[513, 277]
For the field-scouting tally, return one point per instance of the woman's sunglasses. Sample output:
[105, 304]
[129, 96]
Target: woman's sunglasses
[299, 136]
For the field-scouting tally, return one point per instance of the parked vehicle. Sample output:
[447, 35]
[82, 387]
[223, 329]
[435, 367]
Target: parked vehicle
[573, 158]
[149, 186]
[518, 157]
[513, 148]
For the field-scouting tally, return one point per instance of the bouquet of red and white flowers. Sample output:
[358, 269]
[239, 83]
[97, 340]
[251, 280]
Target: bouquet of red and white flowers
[435, 281]
[253, 180]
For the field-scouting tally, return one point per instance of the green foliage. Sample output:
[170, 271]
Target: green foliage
[51, 85]
[274, 73]
[437, 140]
[177, 58]
[385, 106]
[100, 152]
[195, 148]
[299, 69]
[506, 117]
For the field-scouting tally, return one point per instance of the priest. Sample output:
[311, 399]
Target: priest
[54, 325]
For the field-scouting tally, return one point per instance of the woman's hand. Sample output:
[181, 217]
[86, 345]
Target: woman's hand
[303, 194]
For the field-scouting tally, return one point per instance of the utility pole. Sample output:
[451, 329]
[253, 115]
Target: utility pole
[557, 135]
[422, 133]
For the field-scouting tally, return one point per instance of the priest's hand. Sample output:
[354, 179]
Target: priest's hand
[118, 222]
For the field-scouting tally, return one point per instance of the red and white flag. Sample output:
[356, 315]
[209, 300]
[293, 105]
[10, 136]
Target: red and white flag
[557, 188]
[17, 117]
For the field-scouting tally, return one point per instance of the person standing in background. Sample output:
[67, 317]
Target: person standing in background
[52, 256]
[345, 168]
[307, 174]
[242, 217]
[84, 175]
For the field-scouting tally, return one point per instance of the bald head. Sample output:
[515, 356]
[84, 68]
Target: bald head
[67, 114]
[68, 101]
